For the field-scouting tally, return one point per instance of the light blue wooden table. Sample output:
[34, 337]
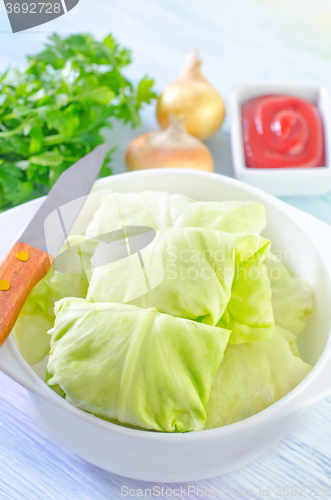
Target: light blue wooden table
[241, 40]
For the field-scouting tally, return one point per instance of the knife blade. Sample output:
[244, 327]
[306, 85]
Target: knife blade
[28, 261]
[73, 184]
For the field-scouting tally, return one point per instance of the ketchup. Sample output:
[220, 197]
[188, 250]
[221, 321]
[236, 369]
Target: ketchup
[282, 131]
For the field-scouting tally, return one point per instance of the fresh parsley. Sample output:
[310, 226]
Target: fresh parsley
[52, 114]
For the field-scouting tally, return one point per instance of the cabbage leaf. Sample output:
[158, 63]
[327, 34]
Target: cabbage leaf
[199, 267]
[159, 210]
[251, 377]
[137, 366]
[292, 298]
[249, 313]
[37, 315]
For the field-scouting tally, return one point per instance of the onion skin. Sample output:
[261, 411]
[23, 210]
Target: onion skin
[172, 148]
[194, 98]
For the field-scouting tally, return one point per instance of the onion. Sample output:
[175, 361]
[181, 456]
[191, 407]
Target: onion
[192, 96]
[171, 148]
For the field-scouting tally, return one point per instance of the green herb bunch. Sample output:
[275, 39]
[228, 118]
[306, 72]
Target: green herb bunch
[52, 114]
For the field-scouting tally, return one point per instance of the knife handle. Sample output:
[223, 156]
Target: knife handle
[20, 271]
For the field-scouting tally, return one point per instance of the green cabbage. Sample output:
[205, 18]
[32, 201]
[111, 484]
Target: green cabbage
[134, 365]
[227, 216]
[249, 313]
[196, 330]
[292, 298]
[251, 377]
[255, 375]
[37, 315]
[149, 208]
[30, 334]
[161, 210]
[291, 339]
[199, 269]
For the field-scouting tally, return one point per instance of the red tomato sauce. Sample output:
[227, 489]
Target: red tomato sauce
[282, 131]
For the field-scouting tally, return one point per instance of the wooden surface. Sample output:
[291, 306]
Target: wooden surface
[22, 277]
[239, 41]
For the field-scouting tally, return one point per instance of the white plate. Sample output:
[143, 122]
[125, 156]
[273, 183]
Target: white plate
[192, 456]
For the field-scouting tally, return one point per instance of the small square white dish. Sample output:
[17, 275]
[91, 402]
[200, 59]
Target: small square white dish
[281, 181]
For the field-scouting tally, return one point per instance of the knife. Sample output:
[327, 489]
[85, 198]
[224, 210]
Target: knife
[28, 261]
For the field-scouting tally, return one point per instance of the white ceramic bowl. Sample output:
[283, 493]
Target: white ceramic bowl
[185, 457]
[281, 181]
